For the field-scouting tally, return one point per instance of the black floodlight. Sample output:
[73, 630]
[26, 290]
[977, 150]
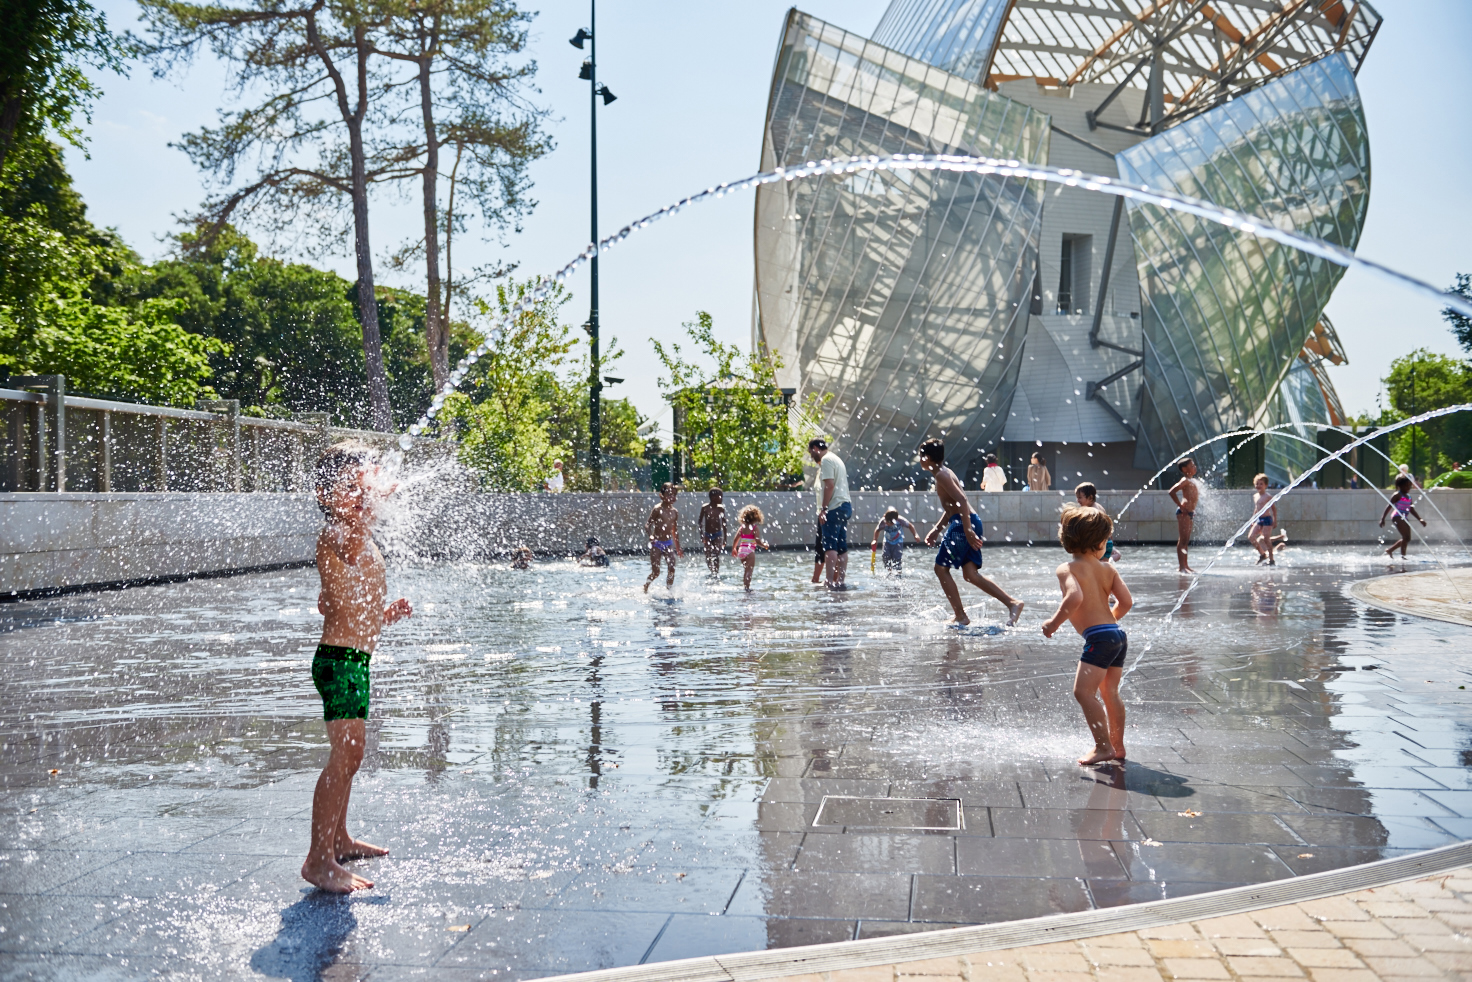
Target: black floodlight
[588, 326]
[577, 39]
[611, 380]
[607, 95]
[586, 72]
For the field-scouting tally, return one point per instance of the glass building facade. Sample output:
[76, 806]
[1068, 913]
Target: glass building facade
[1225, 315]
[898, 298]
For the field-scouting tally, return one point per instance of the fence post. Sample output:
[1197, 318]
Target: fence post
[161, 456]
[50, 430]
[230, 409]
[255, 458]
[104, 460]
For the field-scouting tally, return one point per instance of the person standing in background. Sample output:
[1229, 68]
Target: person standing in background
[993, 478]
[1038, 478]
[835, 508]
[554, 480]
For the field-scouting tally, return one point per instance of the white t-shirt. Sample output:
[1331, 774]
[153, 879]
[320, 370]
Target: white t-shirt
[554, 481]
[993, 478]
[831, 468]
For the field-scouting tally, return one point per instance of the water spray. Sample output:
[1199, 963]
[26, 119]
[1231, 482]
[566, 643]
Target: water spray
[986, 166]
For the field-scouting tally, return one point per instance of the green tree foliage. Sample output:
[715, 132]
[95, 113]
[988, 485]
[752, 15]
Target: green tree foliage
[733, 421]
[525, 403]
[46, 47]
[290, 331]
[500, 411]
[1421, 381]
[1461, 324]
[58, 309]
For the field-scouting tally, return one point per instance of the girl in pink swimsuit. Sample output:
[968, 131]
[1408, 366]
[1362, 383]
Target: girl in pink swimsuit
[748, 540]
[1400, 503]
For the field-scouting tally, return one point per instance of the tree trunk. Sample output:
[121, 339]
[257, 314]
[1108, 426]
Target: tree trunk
[381, 417]
[436, 331]
[9, 123]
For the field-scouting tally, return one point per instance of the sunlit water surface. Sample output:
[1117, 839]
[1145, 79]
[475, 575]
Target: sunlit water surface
[573, 774]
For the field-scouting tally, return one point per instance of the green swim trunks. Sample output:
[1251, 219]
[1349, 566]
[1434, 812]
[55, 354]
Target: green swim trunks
[341, 677]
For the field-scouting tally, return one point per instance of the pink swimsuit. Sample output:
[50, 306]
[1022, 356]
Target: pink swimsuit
[745, 543]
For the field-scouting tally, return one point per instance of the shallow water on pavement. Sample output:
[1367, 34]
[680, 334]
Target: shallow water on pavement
[572, 774]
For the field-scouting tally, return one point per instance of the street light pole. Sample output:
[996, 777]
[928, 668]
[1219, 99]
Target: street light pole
[595, 378]
[589, 71]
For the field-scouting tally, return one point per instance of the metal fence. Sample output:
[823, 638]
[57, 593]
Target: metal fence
[50, 441]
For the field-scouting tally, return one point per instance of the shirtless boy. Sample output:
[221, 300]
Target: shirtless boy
[1185, 494]
[1262, 535]
[663, 530]
[712, 522]
[1087, 583]
[349, 488]
[1087, 496]
[959, 535]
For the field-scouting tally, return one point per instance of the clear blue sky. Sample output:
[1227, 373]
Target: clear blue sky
[692, 79]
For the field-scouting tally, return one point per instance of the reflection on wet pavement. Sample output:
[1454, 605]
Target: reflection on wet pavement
[571, 775]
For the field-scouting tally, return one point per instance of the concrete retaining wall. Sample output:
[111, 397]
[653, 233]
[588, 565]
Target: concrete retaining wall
[54, 541]
[58, 541]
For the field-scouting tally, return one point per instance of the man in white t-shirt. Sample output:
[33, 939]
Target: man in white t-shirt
[993, 478]
[554, 480]
[835, 508]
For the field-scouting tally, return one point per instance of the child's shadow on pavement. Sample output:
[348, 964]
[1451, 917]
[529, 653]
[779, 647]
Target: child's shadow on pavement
[311, 937]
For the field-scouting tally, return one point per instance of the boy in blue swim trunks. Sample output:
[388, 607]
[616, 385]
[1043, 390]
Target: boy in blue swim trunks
[1087, 584]
[349, 489]
[1087, 496]
[959, 535]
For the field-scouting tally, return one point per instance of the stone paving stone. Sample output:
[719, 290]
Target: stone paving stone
[1195, 968]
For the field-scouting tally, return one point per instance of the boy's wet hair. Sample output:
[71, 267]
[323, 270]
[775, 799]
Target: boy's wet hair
[751, 513]
[1082, 530]
[1087, 489]
[715, 491]
[336, 462]
[1403, 484]
[934, 449]
[1185, 461]
[891, 513]
[592, 541]
[1260, 477]
[667, 486]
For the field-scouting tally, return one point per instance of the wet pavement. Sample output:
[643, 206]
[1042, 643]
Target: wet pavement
[571, 775]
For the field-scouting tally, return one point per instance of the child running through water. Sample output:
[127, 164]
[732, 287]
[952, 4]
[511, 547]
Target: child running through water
[1087, 583]
[1189, 493]
[1087, 496]
[349, 489]
[959, 535]
[663, 531]
[748, 540]
[892, 529]
[1401, 503]
[712, 522]
[1262, 535]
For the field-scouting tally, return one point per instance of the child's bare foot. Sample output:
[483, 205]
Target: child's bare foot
[646, 585]
[960, 622]
[332, 877]
[1015, 610]
[350, 848]
[1100, 755]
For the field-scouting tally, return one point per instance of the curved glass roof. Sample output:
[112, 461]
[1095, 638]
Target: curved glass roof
[1208, 51]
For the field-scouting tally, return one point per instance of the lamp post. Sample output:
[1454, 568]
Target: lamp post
[589, 71]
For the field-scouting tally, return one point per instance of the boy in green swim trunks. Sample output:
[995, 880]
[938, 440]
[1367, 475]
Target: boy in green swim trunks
[349, 488]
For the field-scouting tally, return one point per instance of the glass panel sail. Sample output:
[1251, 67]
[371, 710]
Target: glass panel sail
[1225, 314]
[898, 296]
[956, 35]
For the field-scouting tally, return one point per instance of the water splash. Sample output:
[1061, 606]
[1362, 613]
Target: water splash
[957, 164]
[1232, 539]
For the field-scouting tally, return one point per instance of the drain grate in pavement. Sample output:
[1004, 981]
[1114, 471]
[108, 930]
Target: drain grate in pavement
[929, 814]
